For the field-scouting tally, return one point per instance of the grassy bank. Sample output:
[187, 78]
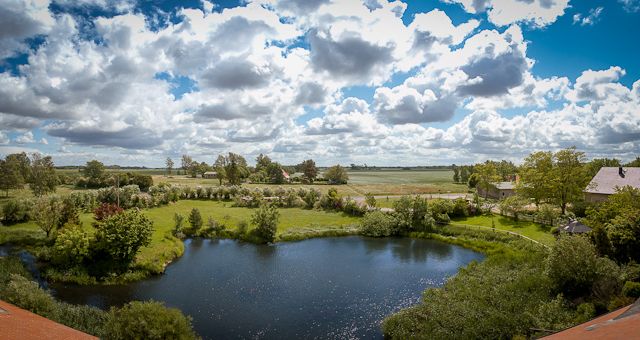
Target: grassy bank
[532, 230]
[294, 224]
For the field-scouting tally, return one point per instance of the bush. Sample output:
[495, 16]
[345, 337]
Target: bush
[26, 294]
[119, 238]
[460, 208]
[377, 224]
[71, 246]
[631, 289]
[148, 320]
[352, 207]
[106, 210]
[16, 211]
[441, 210]
[243, 227]
[178, 220]
[575, 269]
[195, 220]
[310, 198]
[266, 221]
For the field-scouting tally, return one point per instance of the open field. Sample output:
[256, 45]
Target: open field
[387, 182]
[532, 230]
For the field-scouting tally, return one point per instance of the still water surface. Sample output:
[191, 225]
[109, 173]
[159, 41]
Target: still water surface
[318, 288]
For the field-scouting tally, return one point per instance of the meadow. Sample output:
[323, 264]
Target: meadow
[381, 182]
[529, 229]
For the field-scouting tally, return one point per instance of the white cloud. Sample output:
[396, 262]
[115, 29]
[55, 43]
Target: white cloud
[4, 139]
[589, 19]
[20, 20]
[538, 13]
[26, 138]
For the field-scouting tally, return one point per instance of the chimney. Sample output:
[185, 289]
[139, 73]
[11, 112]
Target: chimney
[621, 171]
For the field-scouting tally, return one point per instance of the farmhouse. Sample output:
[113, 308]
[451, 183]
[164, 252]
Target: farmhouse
[210, 174]
[499, 190]
[608, 180]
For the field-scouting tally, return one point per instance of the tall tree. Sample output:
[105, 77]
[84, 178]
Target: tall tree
[456, 174]
[47, 213]
[235, 168]
[186, 163]
[23, 163]
[262, 162]
[487, 175]
[10, 177]
[219, 166]
[94, 170]
[536, 177]
[274, 171]
[43, 175]
[169, 164]
[568, 177]
[309, 170]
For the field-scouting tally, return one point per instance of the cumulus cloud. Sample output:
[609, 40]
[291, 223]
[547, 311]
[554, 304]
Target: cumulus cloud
[538, 13]
[26, 138]
[20, 20]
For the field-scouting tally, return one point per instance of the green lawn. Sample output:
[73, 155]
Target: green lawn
[532, 230]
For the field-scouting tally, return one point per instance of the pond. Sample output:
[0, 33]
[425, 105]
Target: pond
[318, 288]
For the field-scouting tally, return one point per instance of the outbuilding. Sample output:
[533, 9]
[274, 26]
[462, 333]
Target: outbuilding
[608, 180]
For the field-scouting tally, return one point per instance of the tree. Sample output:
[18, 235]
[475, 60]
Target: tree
[235, 168]
[219, 166]
[22, 162]
[456, 174]
[568, 177]
[506, 170]
[121, 236]
[596, 164]
[274, 171]
[634, 163]
[575, 268]
[43, 175]
[336, 175]
[148, 320]
[195, 220]
[377, 224]
[547, 214]
[10, 177]
[309, 170]
[487, 176]
[535, 177]
[169, 164]
[266, 221]
[262, 162]
[513, 205]
[186, 163]
[94, 170]
[46, 213]
[370, 200]
[178, 220]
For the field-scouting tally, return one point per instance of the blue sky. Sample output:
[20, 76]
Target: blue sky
[378, 82]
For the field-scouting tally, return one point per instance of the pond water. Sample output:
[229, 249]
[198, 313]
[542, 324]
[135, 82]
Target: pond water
[318, 288]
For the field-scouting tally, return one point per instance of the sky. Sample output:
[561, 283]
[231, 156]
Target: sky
[387, 83]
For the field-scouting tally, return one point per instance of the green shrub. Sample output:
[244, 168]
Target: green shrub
[195, 220]
[16, 211]
[243, 227]
[266, 221]
[26, 294]
[576, 270]
[71, 246]
[631, 289]
[119, 238]
[377, 224]
[148, 320]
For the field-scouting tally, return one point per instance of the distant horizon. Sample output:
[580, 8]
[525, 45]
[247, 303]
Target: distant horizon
[340, 81]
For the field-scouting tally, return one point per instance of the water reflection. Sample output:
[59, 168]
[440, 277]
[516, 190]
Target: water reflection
[320, 288]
